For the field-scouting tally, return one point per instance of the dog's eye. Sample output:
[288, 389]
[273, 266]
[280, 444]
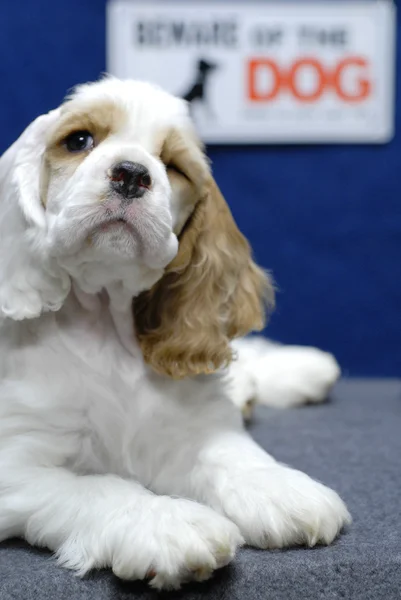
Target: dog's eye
[172, 167]
[79, 141]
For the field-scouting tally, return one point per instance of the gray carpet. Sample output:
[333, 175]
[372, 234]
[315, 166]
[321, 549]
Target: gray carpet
[352, 443]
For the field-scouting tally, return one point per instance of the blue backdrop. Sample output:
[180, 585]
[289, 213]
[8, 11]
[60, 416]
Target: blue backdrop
[326, 220]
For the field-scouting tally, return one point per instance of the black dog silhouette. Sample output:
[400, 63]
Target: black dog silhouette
[198, 91]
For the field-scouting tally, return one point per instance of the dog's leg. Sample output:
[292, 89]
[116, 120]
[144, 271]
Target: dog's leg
[273, 505]
[280, 376]
[105, 521]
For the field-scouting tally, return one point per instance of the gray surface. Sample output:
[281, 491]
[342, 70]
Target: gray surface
[353, 443]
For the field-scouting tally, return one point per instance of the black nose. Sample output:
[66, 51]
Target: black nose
[130, 179]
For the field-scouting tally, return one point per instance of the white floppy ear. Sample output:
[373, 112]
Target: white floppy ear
[30, 280]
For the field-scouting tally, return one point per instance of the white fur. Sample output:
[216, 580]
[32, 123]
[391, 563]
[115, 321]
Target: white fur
[101, 460]
[280, 376]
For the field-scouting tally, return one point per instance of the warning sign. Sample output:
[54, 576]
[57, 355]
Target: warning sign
[265, 73]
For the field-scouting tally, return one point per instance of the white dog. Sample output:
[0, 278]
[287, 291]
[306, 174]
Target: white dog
[118, 448]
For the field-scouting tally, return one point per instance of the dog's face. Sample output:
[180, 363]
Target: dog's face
[105, 184]
[117, 177]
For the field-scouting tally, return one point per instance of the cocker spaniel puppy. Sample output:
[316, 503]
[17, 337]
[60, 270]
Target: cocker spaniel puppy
[119, 444]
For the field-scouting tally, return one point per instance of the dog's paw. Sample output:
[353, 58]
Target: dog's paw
[281, 507]
[186, 541]
[294, 375]
[170, 543]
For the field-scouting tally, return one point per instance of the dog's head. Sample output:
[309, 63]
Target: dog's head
[204, 66]
[114, 182]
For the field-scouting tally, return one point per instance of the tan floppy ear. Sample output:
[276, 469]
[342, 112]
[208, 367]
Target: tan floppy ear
[211, 293]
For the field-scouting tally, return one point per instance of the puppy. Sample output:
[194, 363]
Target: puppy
[119, 444]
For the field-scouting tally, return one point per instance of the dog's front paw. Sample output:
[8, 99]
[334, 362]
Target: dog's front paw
[295, 375]
[281, 507]
[169, 543]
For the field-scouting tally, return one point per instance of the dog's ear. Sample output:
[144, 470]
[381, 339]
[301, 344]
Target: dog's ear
[212, 292]
[29, 281]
